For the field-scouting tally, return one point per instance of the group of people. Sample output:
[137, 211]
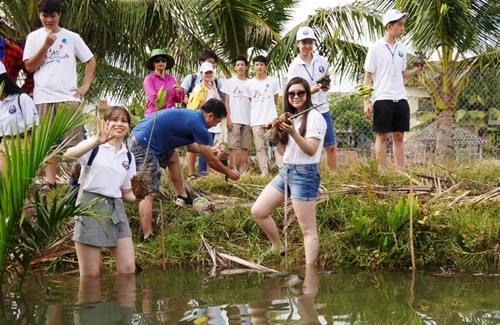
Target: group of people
[51, 54]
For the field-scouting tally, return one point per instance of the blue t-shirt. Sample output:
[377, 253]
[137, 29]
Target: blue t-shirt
[174, 128]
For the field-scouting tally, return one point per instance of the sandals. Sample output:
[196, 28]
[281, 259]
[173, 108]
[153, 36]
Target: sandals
[192, 177]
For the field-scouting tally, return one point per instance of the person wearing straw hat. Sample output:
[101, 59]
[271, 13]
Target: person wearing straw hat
[159, 61]
[314, 68]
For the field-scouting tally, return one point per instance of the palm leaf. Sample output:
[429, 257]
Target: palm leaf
[21, 164]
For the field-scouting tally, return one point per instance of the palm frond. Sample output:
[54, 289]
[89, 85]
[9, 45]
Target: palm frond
[21, 162]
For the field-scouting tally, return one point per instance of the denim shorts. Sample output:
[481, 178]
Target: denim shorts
[303, 181]
[330, 131]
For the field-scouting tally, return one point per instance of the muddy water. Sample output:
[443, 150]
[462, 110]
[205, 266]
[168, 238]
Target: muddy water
[189, 296]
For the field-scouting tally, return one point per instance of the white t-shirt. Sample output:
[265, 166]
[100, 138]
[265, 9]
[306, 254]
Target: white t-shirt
[239, 104]
[387, 65]
[313, 73]
[316, 128]
[110, 171]
[14, 119]
[261, 94]
[210, 94]
[56, 78]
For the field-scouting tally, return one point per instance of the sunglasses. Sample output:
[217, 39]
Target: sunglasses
[300, 94]
[158, 60]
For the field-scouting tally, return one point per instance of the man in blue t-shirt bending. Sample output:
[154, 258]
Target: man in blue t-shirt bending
[174, 128]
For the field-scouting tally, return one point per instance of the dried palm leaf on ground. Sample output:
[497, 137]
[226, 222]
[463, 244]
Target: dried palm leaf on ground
[59, 247]
[220, 258]
[493, 195]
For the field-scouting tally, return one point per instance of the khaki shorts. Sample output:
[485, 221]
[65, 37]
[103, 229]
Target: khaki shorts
[240, 136]
[76, 134]
[8, 140]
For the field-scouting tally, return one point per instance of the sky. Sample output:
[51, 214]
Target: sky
[307, 7]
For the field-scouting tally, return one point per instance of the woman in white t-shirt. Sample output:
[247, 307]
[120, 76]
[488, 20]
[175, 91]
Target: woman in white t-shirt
[108, 179]
[301, 143]
[17, 112]
[206, 89]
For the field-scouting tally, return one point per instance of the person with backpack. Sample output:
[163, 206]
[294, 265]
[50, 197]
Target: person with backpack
[191, 80]
[204, 90]
[17, 112]
[106, 174]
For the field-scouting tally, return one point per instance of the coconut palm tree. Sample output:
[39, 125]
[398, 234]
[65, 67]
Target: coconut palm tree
[461, 34]
[122, 33]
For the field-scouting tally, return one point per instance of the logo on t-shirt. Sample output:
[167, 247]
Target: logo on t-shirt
[238, 93]
[125, 164]
[400, 53]
[261, 97]
[12, 109]
[55, 55]
[321, 69]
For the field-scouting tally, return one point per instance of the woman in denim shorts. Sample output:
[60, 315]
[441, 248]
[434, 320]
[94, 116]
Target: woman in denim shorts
[300, 144]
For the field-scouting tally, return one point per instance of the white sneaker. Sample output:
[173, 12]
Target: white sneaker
[180, 202]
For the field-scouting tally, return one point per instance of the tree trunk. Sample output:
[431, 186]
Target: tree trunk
[445, 149]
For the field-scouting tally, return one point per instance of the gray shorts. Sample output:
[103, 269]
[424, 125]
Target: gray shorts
[100, 233]
[153, 164]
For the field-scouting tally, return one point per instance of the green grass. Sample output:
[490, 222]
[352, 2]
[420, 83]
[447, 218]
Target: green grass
[366, 227]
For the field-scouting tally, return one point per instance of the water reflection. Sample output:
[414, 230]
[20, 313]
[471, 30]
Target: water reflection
[120, 308]
[189, 296]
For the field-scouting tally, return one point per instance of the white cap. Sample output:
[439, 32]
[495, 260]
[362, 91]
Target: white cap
[2, 68]
[206, 66]
[304, 33]
[392, 15]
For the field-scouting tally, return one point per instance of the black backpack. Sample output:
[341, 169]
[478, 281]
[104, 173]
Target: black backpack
[73, 185]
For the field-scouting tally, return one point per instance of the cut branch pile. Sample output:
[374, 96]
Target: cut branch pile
[224, 260]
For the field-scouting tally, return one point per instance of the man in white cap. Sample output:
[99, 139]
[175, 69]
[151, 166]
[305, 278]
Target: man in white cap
[385, 66]
[314, 68]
